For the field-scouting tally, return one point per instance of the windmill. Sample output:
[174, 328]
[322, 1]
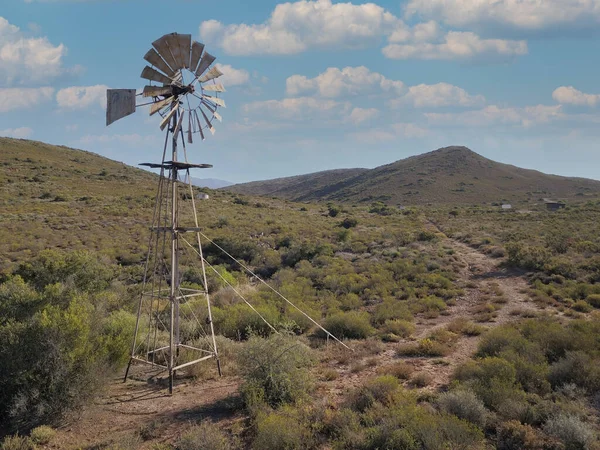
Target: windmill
[184, 93]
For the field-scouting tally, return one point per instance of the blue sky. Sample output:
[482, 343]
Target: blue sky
[316, 85]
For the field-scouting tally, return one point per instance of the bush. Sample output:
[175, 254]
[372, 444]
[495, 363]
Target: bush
[512, 435]
[349, 222]
[274, 370]
[463, 404]
[425, 347]
[402, 328]
[348, 325]
[380, 389]
[278, 430]
[574, 433]
[593, 300]
[206, 436]
[17, 442]
[399, 370]
[42, 435]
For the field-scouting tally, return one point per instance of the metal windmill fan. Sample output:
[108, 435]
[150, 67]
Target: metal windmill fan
[186, 87]
[186, 95]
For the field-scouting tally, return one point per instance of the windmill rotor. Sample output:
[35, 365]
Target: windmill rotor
[182, 83]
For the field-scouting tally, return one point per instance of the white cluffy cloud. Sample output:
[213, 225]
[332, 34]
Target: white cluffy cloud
[526, 15]
[347, 81]
[22, 98]
[19, 133]
[294, 27]
[298, 108]
[455, 45]
[231, 76]
[571, 96]
[495, 115]
[82, 97]
[438, 95]
[360, 115]
[28, 60]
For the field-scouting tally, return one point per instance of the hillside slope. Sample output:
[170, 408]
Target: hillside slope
[451, 175]
[57, 197]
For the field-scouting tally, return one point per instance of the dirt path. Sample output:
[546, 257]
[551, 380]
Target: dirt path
[487, 285]
[129, 412]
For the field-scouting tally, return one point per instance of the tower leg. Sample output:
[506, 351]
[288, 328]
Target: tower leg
[127, 371]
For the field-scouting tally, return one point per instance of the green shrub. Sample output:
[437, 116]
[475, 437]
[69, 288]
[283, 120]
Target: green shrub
[281, 430]
[574, 433]
[582, 306]
[464, 404]
[402, 328]
[380, 389]
[512, 435]
[348, 325]
[400, 370]
[425, 347]
[349, 222]
[206, 436]
[274, 370]
[17, 442]
[42, 435]
[594, 300]
[576, 368]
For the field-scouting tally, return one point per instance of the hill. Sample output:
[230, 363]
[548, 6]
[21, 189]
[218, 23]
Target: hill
[451, 175]
[57, 197]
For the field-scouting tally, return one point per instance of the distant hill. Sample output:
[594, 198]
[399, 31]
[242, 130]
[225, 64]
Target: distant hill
[451, 175]
[211, 183]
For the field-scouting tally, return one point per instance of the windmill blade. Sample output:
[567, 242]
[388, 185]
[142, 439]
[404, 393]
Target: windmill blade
[214, 87]
[173, 44]
[179, 123]
[207, 60]
[199, 125]
[155, 91]
[119, 103]
[208, 124]
[160, 105]
[185, 46]
[154, 58]
[213, 73]
[154, 75]
[215, 100]
[212, 109]
[197, 49]
[168, 117]
[189, 133]
[163, 50]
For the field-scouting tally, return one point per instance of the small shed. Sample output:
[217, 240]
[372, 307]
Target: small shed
[202, 196]
[554, 206]
[506, 206]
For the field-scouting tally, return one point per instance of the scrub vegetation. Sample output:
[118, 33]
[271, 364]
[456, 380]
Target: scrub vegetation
[470, 327]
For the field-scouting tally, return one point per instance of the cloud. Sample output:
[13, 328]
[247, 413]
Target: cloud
[82, 97]
[27, 60]
[231, 76]
[390, 133]
[438, 95]
[526, 15]
[19, 133]
[571, 96]
[294, 27]
[298, 108]
[457, 45]
[350, 81]
[495, 115]
[347, 81]
[22, 98]
[360, 115]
